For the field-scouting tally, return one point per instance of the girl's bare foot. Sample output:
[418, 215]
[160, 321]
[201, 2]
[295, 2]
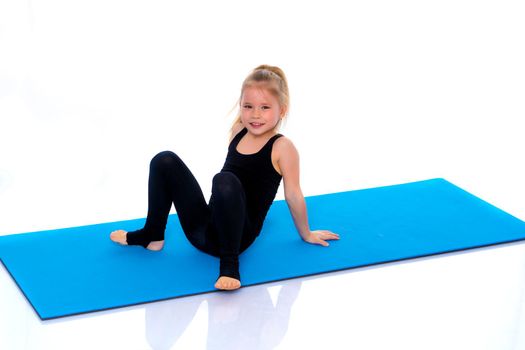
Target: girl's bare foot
[156, 246]
[227, 283]
[119, 236]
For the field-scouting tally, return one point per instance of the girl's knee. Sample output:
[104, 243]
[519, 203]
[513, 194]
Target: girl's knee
[164, 159]
[226, 183]
[226, 178]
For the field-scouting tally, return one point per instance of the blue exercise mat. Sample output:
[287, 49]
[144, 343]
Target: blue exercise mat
[78, 270]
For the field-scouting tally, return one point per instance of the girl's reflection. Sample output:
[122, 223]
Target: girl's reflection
[246, 319]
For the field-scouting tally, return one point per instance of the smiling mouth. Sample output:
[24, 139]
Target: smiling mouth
[256, 125]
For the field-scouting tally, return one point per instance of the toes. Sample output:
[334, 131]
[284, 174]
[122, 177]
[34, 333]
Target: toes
[227, 283]
[118, 236]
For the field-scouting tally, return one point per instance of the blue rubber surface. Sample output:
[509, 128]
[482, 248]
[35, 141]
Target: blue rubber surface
[77, 270]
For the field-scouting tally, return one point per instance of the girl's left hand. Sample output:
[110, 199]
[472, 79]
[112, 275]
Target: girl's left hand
[320, 237]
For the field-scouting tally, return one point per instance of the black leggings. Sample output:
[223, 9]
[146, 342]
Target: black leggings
[220, 228]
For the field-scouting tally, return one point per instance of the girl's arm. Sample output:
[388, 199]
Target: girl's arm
[288, 164]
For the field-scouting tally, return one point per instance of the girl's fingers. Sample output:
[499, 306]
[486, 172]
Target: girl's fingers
[318, 240]
[330, 235]
[322, 236]
[323, 242]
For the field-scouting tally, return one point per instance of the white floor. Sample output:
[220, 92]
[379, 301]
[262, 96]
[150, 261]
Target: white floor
[466, 301]
[382, 93]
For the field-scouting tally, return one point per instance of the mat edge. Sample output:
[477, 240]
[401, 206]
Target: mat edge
[21, 290]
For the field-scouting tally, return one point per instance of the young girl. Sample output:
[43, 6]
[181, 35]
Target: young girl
[258, 158]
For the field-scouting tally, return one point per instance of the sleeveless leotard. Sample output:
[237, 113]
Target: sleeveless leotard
[259, 178]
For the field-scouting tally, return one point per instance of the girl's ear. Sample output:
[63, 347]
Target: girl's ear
[283, 112]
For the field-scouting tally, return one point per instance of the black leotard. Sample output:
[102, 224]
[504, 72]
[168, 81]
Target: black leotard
[259, 178]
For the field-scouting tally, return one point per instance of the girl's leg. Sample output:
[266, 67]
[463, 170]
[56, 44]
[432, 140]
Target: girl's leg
[170, 181]
[220, 229]
[228, 217]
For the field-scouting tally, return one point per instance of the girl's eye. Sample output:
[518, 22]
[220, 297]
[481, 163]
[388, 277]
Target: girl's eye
[251, 107]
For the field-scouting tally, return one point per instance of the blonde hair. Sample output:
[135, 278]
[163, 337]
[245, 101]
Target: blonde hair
[271, 78]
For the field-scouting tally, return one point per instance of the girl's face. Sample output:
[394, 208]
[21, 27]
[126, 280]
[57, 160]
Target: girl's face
[260, 110]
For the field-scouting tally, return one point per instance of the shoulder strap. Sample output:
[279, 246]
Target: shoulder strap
[237, 138]
[273, 138]
[269, 144]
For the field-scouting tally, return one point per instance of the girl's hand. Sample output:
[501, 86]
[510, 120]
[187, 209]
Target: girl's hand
[320, 237]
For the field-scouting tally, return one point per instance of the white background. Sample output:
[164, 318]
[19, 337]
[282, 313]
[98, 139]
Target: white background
[382, 92]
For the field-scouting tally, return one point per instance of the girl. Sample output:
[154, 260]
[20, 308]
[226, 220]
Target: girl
[258, 158]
